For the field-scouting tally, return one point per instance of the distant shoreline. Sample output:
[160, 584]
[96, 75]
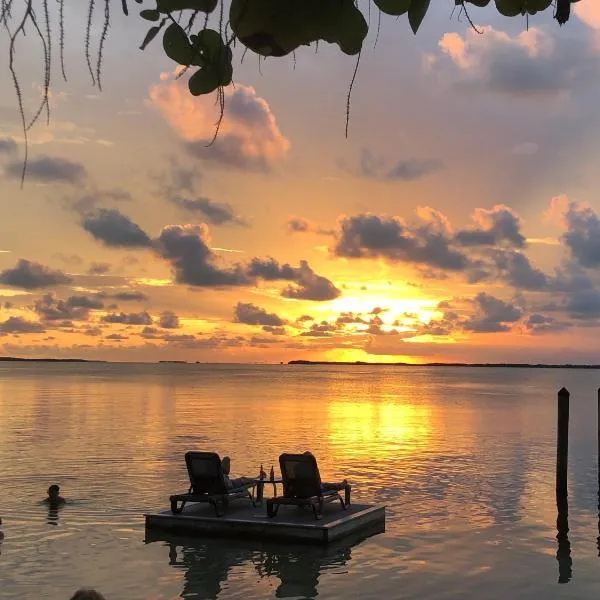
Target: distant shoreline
[442, 364]
[67, 360]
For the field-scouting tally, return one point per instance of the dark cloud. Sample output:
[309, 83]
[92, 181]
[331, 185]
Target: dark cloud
[583, 304]
[74, 308]
[535, 63]
[250, 314]
[310, 286]
[114, 229]
[186, 248]
[20, 325]
[7, 146]
[48, 169]
[307, 284]
[32, 275]
[494, 227]
[129, 296]
[99, 268]
[215, 213]
[516, 269]
[169, 320]
[540, 324]
[142, 318]
[299, 225]
[117, 337]
[373, 236]
[582, 235]
[406, 169]
[92, 200]
[492, 315]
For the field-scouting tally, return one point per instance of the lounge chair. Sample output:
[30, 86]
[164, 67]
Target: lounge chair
[208, 484]
[302, 486]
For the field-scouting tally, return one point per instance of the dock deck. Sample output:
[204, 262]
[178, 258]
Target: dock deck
[291, 523]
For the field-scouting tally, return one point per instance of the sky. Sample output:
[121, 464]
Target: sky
[457, 221]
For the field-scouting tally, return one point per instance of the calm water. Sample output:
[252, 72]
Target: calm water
[463, 458]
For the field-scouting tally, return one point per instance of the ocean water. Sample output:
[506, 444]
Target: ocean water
[464, 459]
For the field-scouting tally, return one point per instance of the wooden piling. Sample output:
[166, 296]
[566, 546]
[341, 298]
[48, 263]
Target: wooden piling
[562, 446]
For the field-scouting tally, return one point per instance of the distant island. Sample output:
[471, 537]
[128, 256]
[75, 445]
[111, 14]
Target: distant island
[443, 364]
[68, 360]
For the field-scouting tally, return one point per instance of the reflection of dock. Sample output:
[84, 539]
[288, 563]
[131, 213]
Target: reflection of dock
[252, 523]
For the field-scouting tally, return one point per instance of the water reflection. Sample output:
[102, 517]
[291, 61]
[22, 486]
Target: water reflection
[208, 563]
[563, 554]
[52, 518]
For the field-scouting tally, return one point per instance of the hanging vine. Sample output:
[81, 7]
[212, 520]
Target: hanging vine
[268, 28]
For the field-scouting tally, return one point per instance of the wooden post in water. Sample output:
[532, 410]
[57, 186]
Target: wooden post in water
[563, 554]
[562, 447]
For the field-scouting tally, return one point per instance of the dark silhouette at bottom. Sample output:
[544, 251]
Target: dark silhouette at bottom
[563, 554]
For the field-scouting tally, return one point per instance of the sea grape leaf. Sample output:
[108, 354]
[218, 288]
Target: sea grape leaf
[393, 7]
[150, 15]
[177, 46]
[416, 13]
[168, 6]
[152, 33]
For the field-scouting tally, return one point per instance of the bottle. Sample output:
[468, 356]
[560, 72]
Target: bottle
[272, 474]
[262, 472]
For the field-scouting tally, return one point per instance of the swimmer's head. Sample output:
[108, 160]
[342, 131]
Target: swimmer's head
[53, 491]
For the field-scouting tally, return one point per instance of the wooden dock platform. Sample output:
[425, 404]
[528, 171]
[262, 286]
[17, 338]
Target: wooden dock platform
[290, 524]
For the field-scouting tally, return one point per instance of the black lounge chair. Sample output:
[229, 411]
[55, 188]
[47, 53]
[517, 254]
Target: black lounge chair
[302, 486]
[208, 484]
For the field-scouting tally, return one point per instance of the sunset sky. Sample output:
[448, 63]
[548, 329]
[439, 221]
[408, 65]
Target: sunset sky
[459, 221]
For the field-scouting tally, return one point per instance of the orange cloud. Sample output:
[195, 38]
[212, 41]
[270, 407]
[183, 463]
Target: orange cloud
[249, 136]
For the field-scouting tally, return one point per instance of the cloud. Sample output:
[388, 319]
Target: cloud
[249, 137]
[310, 286]
[91, 200]
[534, 63]
[216, 213]
[74, 308]
[130, 296]
[187, 249]
[492, 315]
[493, 227]
[20, 325]
[371, 236]
[537, 324]
[169, 320]
[99, 268]
[299, 225]
[582, 235]
[31, 275]
[7, 146]
[307, 284]
[250, 314]
[142, 318]
[516, 268]
[371, 166]
[48, 169]
[115, 230]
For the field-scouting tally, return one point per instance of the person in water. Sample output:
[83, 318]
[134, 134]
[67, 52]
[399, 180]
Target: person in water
[233, 483]
[54, 499]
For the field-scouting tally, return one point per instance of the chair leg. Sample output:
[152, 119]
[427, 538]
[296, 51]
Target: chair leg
[251, 499]
[344, 506]
[175, 509]
[347, 491]
[317, 509]
[272, 508]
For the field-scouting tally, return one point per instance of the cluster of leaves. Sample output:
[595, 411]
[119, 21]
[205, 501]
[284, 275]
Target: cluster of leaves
[278, 27]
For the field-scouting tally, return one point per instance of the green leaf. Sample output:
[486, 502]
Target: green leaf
[393, 7]
[150, 15]
[203, 81]
[509, 8]
[168, 6]
[177, 46]
[211, 44]
[352, 29]
[152, 33]
[416, 13]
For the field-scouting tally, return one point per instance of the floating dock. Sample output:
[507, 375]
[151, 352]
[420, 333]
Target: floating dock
[290, 524]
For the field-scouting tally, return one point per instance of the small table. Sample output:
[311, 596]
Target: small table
[260, 486]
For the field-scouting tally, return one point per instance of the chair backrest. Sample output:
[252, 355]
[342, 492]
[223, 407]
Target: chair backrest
[300, 475]
[206, 473]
